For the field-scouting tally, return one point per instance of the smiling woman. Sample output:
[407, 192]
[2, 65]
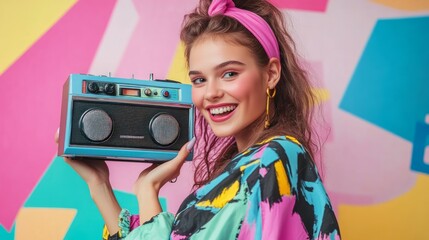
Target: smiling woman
[255, 177]
[229, 87]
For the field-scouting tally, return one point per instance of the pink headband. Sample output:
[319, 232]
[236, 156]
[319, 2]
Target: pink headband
[250, 20]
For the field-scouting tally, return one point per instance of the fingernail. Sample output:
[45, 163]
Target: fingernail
[190, 144]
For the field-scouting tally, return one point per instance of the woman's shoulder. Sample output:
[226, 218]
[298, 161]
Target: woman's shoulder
[284, 141]
[281, 141]
[279, 147]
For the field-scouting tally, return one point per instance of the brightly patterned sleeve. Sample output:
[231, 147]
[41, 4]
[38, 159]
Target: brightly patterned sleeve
[158, 227]
[288, 200]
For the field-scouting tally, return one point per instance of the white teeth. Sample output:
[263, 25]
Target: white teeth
[222, 110]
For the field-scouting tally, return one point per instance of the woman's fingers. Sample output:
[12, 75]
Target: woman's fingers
[191, 144]
[184, 152]
[176, 164]
[157, 175]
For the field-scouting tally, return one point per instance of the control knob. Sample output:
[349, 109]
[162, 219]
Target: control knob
[93, 87]
[109, 89]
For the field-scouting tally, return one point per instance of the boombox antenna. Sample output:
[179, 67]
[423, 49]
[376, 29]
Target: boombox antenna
[151, 76]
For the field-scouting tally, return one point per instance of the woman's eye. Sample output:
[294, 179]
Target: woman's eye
[197, 80]
[229, 74]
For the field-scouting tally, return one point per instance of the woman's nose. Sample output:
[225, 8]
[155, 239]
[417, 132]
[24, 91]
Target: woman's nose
[213, 91]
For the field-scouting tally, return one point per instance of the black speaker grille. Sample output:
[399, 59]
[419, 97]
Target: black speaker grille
[133, 125]
[96, 125]
[164, 129]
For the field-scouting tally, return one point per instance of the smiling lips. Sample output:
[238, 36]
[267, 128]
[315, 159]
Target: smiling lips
[221, 113]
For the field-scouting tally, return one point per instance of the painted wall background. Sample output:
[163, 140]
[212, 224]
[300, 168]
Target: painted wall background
[371, 59]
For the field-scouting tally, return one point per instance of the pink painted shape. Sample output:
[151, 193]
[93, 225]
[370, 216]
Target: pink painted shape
[151, 49]
[259, 153]
[339, 198]
[263, 172]
[354, 162]
[278, 222]
[323, 124]
[153, 44]
[177, 237]
[366, 168]
[31, 99]
[322, 121]
[309, 5]
[247, 231]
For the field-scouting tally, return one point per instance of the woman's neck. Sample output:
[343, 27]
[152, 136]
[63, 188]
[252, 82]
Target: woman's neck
[248, 136]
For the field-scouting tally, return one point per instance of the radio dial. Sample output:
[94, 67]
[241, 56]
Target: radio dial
[93, 87]
[109, 89]
[147, 92]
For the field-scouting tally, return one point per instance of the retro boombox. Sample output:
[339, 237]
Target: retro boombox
[124, 119]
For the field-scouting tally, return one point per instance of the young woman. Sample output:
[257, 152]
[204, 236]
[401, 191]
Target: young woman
[255, 178]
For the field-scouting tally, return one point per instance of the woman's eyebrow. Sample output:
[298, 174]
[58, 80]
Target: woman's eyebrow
[194, 73]
[232, 62]
[224, 64]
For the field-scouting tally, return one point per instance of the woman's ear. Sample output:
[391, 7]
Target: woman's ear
[274, 69]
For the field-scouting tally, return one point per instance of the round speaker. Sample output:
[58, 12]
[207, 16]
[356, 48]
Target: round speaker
[96, 125]
[164, 129]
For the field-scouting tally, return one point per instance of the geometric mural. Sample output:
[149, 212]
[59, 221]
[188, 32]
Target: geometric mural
[63, 190]
[37, 223]
[404, 217]
[32, 87]
[410, 5]
[390, 89]
[390, 85]
[308, 5]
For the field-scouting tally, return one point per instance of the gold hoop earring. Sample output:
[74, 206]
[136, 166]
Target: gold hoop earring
[267, 117]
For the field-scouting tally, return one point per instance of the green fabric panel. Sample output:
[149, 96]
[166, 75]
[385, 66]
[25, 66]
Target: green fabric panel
[216, 228]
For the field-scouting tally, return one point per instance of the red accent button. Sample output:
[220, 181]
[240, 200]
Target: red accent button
[166, 94]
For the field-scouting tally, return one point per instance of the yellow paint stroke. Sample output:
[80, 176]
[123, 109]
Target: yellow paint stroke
[408, 5]
[246, 151]
[178, 70]
[248, 165]
[22, 23]
[226, 196]
[321, 95]
[43, 223]
[293, 140]
[404, 217]
[283, 182]
[267, 140]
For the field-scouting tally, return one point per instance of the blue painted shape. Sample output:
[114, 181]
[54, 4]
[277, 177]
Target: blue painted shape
[5, 235]
[419, 145]
[390, 85]
[62, 187]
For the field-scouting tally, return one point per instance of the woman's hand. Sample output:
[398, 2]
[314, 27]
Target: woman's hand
[153, 178]
[96, 174]
[157, 175]
[92, 171]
